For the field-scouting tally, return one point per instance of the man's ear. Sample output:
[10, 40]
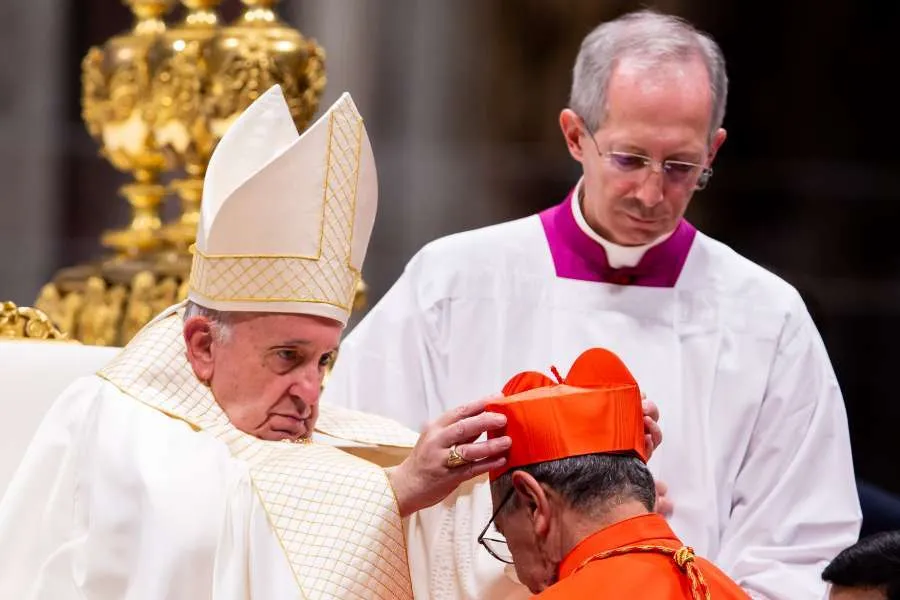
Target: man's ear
[198, 338]
[717, 141]
[573, 130]
[533, 498]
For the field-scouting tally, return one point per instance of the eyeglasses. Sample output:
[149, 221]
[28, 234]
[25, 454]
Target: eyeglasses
[676, 172]
[497, 547]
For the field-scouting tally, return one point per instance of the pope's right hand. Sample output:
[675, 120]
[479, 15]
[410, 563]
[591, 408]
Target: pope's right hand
[429, 474]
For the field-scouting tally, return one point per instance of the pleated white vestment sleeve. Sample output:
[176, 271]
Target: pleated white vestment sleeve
[794, 503]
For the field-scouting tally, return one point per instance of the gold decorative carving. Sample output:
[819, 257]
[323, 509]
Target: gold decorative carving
[164, 296]
[117, 108]
[361, 296]
[181, 125]
[62, 310]
[244, 64]
[140, 304]
[27, 323]
[157, 99]
[99, 319]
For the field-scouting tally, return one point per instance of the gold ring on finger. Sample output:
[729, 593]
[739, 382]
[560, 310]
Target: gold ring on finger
[455, 459]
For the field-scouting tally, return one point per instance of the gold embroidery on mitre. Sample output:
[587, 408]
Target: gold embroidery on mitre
[335, 515]
[326, 278]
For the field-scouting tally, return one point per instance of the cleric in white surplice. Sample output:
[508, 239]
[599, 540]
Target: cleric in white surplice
[756, 453]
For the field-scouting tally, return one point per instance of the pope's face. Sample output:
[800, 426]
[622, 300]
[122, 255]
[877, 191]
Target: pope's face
[266, 373]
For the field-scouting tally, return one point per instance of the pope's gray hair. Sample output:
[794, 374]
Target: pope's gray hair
[220, 319]
[653, 40]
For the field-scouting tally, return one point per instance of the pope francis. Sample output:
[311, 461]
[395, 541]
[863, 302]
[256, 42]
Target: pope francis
[188, 467]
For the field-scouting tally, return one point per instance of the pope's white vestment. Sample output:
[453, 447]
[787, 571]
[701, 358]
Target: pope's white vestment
[137, 486]
[756, 448]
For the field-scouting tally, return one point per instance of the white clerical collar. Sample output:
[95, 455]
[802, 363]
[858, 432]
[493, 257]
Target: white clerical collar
[617, 256]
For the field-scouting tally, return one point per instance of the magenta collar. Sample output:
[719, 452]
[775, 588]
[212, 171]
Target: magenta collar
[577, 256]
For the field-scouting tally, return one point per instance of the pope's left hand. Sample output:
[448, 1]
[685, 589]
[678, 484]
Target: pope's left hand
[652, 432]
[446, 455]
[653, 438]
[663, 504]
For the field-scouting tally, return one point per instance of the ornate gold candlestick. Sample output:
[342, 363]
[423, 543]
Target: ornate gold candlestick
[254, 53]
[117, 110]
[181, 127]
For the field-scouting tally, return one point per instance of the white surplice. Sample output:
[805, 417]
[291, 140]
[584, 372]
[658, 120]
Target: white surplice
[137, 486]
[756, 448]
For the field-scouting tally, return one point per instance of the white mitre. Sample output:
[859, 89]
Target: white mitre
[286, 218]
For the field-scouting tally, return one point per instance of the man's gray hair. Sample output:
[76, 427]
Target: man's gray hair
[592, 484]
[221, 320]
[652, 39]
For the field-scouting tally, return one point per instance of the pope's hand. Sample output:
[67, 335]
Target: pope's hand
[664, 505]
[447, 455]
[653, 438]
[652, 432]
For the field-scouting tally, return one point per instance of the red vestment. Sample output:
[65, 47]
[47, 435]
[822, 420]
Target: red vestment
[638, 559]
